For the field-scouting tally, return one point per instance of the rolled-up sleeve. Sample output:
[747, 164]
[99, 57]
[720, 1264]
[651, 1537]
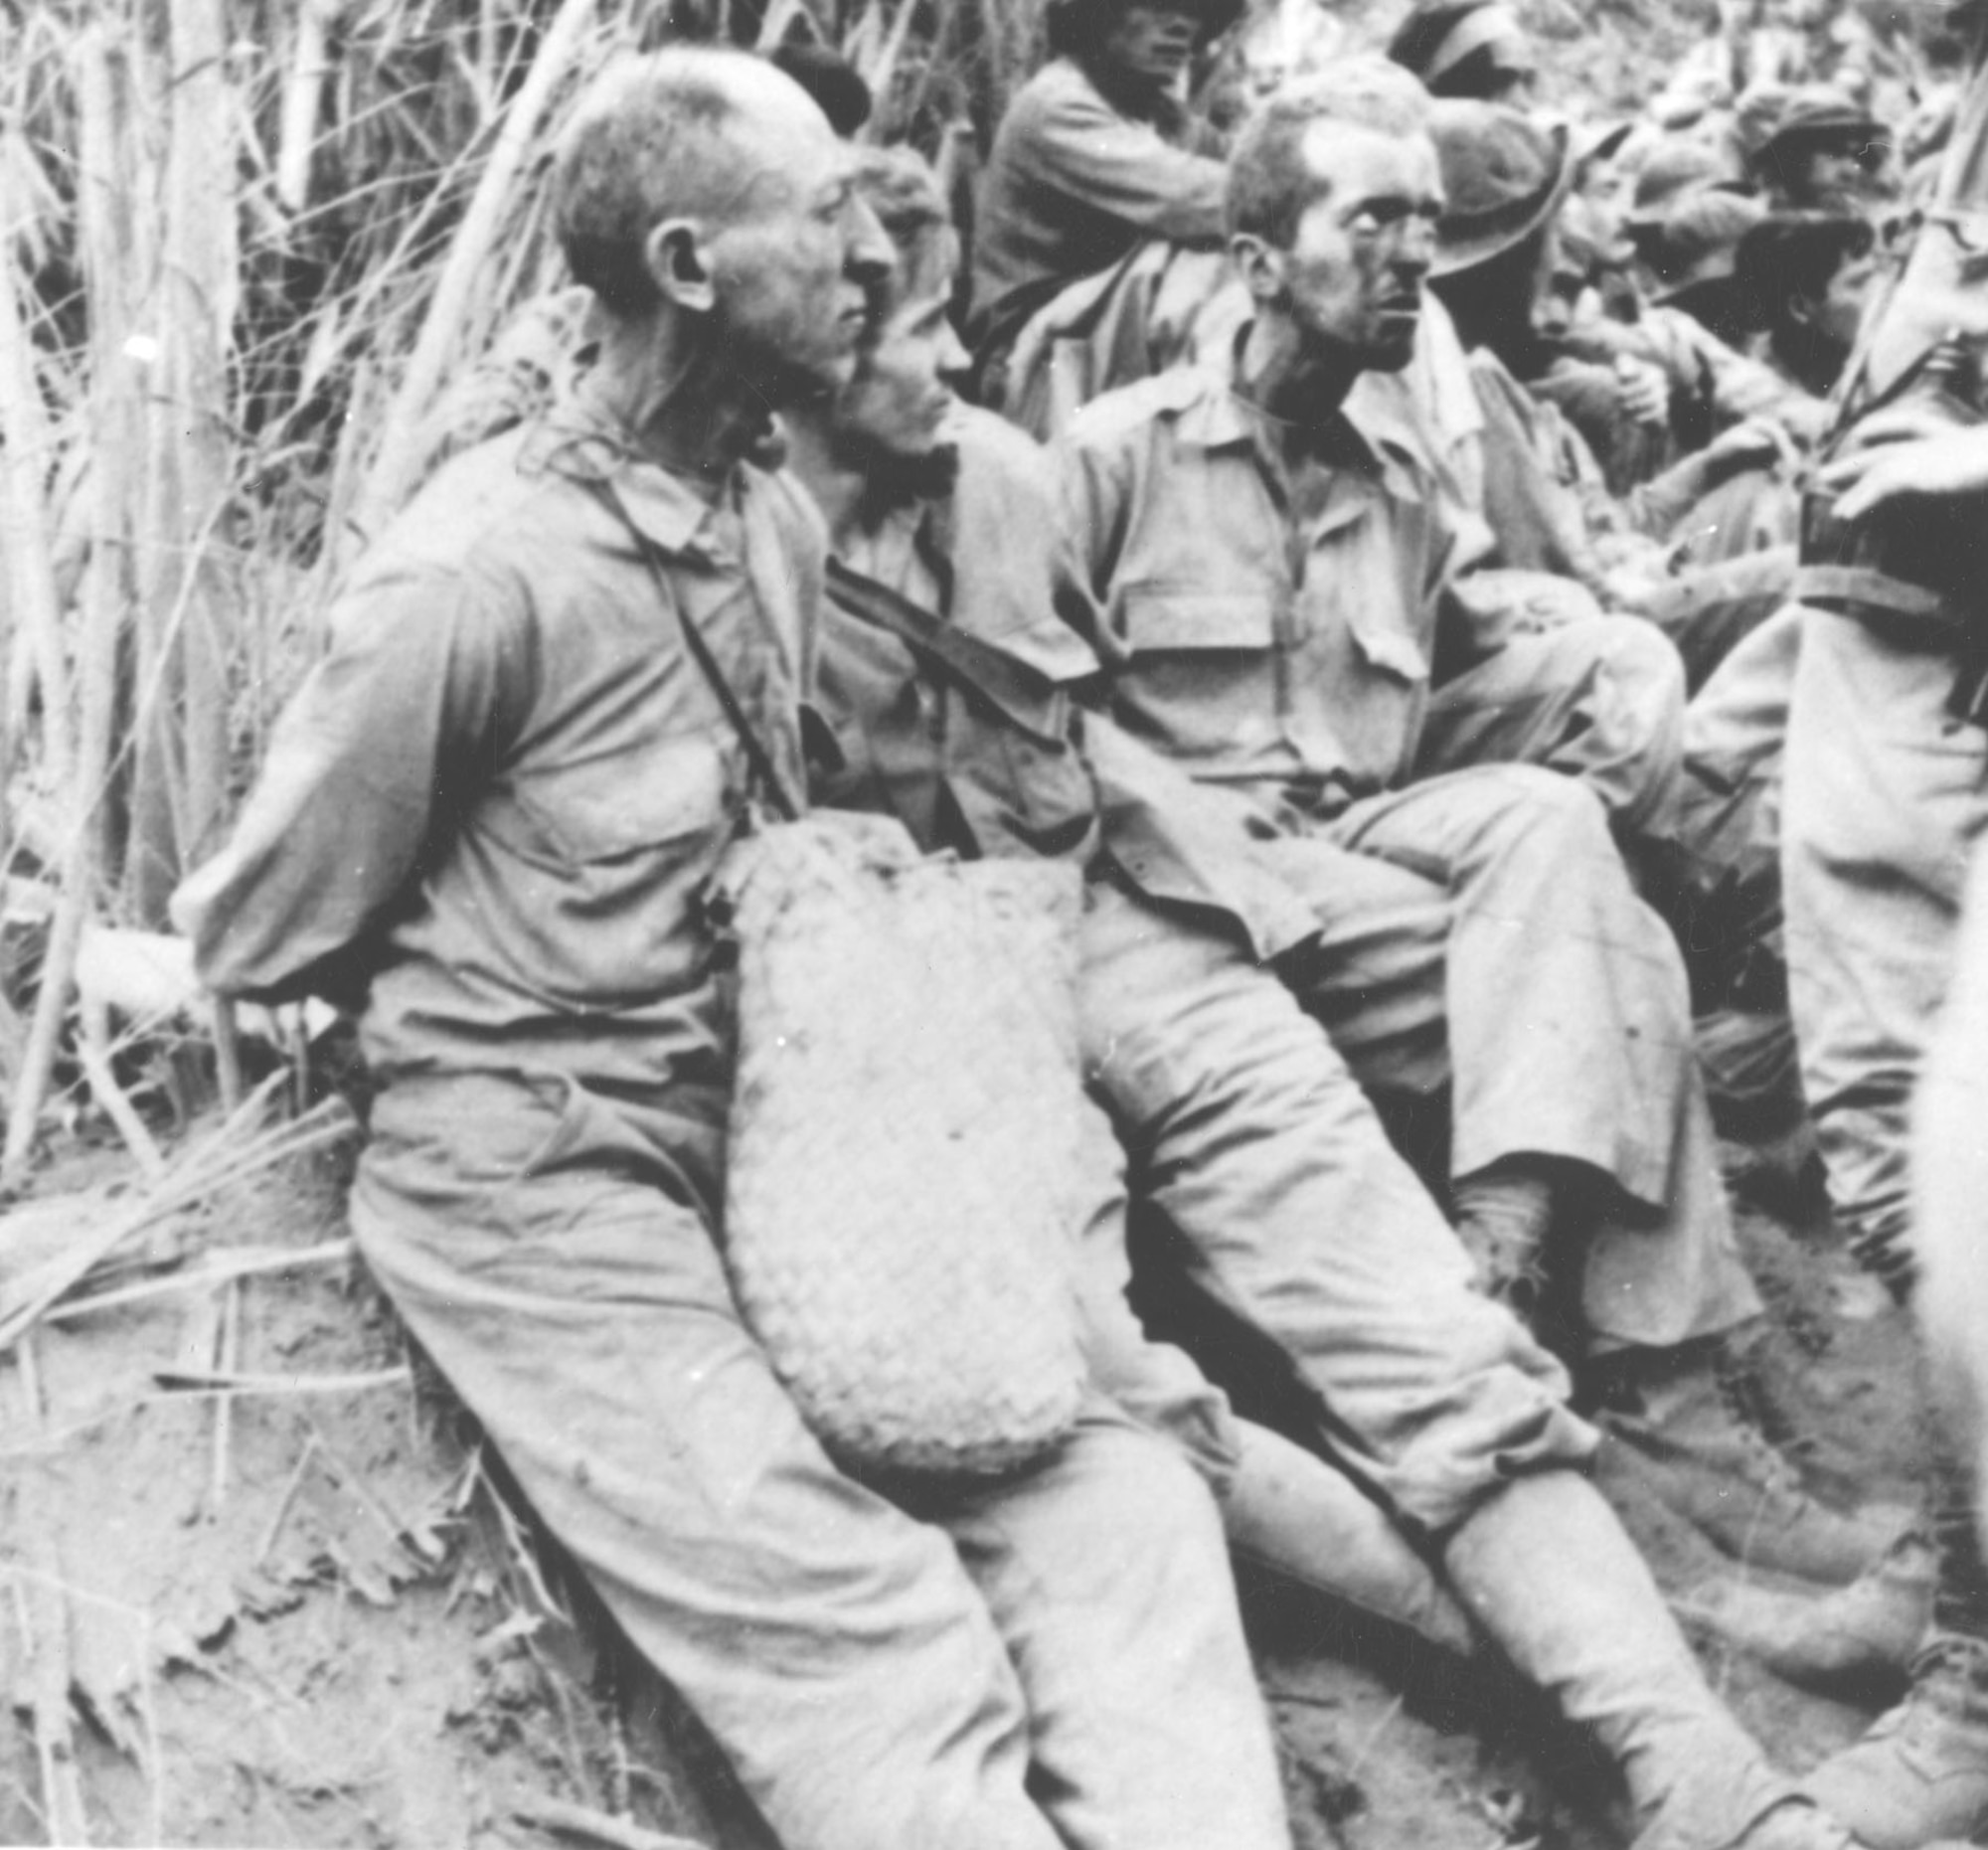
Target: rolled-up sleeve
[427, 674]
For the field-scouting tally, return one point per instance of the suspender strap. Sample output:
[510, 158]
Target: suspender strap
[756, 755]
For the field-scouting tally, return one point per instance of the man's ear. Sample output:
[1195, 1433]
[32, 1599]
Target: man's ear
[1799, 310]
[1260, 264]
[675, 251]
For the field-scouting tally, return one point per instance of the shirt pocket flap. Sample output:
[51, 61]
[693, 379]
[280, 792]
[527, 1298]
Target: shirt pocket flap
[619, 804]
[1388, 649]
[1178, 616]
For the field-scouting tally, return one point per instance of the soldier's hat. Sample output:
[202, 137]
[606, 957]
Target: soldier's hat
[1504, 176]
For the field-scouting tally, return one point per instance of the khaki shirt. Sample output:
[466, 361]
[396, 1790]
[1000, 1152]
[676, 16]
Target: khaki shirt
[1292, 666]
[1071, 187]
[494, 806]
[1025, 772]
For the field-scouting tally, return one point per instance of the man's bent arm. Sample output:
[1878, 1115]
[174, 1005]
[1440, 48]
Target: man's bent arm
[423, 681]
[1130, 169]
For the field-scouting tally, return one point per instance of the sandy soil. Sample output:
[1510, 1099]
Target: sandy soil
[309, 1619]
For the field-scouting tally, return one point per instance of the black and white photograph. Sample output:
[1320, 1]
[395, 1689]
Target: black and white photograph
[994, 925]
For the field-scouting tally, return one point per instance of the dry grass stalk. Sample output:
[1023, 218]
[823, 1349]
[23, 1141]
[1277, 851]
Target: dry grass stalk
[94, 1054]
[105, 98]
[26, 457]
[214, 1269]
[571, 1820]
[241, 1148]
[397, 461]
[185, 599]
[44, 1617]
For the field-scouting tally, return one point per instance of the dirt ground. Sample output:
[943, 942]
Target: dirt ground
[301, 1613]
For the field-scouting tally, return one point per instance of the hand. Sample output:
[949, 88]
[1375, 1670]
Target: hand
[1952, 463]
[1645, 393]
[1755, 442]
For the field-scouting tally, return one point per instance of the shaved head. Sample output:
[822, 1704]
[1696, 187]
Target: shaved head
[694, 133]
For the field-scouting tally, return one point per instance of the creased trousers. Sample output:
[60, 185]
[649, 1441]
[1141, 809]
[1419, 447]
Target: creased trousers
[1244, 1125]
[1884, 803]
[1056, 1661]
[1479, 927]
[1600, 700]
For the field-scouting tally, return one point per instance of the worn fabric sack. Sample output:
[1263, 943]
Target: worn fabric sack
[903, 1164]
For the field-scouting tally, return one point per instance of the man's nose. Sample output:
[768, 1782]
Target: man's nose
[866, 252]
[952, 355]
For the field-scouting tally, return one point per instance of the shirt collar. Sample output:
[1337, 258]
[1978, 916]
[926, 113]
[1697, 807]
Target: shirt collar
[583, 441]
[1220, 417]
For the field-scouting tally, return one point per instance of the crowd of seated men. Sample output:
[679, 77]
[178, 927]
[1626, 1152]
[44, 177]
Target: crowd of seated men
[1364, 522]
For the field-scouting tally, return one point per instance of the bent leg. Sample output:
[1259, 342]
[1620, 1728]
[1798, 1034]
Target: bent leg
[1571, 1036]
[1247, 1130]
[553, 1260]
[1106, 1573]
[1600, 700]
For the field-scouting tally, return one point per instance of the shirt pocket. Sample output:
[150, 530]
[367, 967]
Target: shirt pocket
[1163, 616]
[629, 804]
[1201, 677]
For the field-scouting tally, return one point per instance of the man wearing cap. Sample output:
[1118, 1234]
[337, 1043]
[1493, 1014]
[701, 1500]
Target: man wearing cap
[1467, 47]
[1544, 497]
[1710, 385]
[494, 812]
[1824, 154]
[1090, 160]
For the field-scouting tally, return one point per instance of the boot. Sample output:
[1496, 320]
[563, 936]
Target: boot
[1921, 1773]
[1858, 1641]
[1547, 1572]
[1682, 1423]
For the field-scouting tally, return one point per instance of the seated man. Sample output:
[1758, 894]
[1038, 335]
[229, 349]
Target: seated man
[1090, 160]
[1273, 591]
[940, 662]
[1544, 497]
[1824, 152]
[1807, 278]
[493, 811]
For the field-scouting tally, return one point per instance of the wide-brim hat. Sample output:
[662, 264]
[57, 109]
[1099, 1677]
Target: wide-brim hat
[1699, 244]
[1504, 176]
[1673, 172]
[1819, 112]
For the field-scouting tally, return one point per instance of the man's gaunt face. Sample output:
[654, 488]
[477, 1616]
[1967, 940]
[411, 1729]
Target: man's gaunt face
[795, 263]
[896, 408]
[1355, 268]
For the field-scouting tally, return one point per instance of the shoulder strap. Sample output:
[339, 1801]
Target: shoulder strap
[1024, 696]
[756, 755]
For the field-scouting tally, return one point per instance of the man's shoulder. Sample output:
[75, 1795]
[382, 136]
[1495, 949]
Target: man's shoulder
[997, 451]
[481, 505]
[1118, 418]
[1058, 88]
